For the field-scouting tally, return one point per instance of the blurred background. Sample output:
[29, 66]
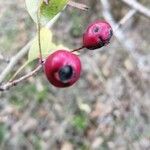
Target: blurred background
[107, 109]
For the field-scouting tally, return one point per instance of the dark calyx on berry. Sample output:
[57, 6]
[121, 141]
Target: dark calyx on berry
[96, 29]
[65, 73]
[111, 33]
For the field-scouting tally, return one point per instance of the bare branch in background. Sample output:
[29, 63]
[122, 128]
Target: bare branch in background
[129, 15]
[139, 7]
[142, 61]
[117, 31]
[78, 5]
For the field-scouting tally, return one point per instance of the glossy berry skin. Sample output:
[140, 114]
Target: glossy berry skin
[62, 68]
[97, 35]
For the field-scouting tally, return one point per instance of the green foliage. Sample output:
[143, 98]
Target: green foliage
[47, 11]
[2, 132]
[31, 90]
[28, 93]
[37, 143]
[77, 24]
[42, 95]
[80, 122]
[16, 101]
[46, 45]
[52, 9]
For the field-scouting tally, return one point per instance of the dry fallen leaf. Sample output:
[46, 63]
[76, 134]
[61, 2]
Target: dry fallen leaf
[101, 110]
[67, 146]
[129, 65]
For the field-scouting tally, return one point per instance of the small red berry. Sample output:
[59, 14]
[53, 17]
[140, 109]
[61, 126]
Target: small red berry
[62, 68]
[97, 35]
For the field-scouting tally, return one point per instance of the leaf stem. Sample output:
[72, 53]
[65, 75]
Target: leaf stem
[39, 34]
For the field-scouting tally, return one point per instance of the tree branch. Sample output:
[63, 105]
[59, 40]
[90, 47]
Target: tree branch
[15, 82]
[14, 60]
[139, 7]
[129, 15]
[117, 31]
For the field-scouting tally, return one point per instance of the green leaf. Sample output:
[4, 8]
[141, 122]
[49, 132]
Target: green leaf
[52, 9]
[47, 11]
[47, 46]
[2, 132]
[80, 122]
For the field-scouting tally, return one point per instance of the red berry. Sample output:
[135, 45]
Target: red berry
[97, 35]
[62, 68]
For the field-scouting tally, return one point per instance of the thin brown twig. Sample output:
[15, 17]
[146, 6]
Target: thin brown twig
[46, 1]
[78, 5]
[21, 79]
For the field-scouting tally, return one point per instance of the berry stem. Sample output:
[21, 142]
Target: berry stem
[75, 50]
